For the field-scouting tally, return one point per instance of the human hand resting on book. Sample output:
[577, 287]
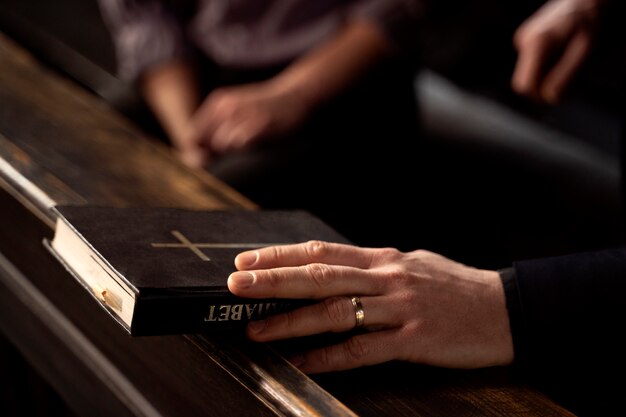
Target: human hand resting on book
[418, 306]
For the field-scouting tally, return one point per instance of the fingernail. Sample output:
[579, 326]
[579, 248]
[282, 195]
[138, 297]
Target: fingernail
[256, 326]
[246, 259]
[297, 360]
[242, 279]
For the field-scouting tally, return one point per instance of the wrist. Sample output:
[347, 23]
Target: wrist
[302, 88]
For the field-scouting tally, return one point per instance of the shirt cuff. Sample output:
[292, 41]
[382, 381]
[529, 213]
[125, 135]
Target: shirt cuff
[514, 307]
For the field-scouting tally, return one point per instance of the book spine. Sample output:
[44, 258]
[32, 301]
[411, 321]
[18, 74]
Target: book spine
[199, 314]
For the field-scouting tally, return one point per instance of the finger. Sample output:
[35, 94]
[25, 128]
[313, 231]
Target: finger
[203, 125]
[222, 139]
[314, 251]
[248, 131]
[189, 148]
[532, 57]
[240, 135]
[234, 135]
[560, 76]
[360, 350]
[210, 116]
[310, 281]
[195, 158]
[335, 314]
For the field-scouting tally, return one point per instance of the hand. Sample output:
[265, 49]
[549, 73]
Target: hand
[191, 153]
[418, 306]
[552, 45]
[171, 90]
[234, 118]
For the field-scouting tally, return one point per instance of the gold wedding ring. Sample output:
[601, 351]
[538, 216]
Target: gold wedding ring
[359, 315]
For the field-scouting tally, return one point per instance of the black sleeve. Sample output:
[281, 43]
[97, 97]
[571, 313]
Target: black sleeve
[567, 320]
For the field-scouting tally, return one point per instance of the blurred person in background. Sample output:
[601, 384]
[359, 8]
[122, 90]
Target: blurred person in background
[265, 94]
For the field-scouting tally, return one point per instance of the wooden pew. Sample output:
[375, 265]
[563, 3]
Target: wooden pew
[59, 144]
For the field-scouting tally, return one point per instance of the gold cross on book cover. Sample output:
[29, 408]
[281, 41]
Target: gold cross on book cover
[164, 270]
[195, 247]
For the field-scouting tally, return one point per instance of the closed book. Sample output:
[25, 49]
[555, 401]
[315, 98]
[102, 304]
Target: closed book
[164, 270]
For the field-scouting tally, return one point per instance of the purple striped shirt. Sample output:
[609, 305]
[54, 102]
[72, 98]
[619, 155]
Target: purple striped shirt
[244, 33]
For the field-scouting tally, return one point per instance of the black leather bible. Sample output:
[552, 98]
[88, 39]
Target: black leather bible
[164, 271]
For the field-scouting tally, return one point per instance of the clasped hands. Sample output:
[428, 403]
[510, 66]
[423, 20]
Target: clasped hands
[234, 118]
[418, 306]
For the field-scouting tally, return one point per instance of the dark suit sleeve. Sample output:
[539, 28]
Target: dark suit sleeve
[567, 320]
